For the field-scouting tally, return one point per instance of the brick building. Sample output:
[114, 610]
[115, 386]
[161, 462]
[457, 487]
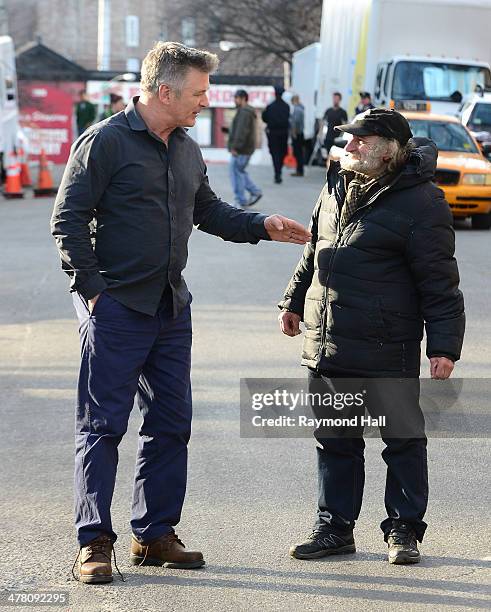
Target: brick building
[71, 28]
[59, 51]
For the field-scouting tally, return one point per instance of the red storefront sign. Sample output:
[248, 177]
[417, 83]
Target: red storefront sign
[223, 95]
[46, 117]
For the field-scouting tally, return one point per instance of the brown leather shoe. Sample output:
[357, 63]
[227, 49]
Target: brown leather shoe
[94, 561]
[168, 550]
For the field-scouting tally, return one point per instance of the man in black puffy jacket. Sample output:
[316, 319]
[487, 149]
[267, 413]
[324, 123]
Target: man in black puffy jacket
[380, 267]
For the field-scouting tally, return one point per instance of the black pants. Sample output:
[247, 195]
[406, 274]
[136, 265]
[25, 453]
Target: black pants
[341, 463]
[297, 144]
[278, 147]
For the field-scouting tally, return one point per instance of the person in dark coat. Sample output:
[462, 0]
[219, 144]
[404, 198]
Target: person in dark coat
[241, 144]
[335, 115]
[365, 103]
[380, 267]
[116, 105]
[276, 116]
[85, 112]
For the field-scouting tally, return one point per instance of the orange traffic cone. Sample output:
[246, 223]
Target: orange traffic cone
[13, 184]
[25, 175]
[290, 161]
[45, 180]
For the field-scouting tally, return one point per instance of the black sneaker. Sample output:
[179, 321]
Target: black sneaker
[323, 543]
[403, 545]
[253, 199]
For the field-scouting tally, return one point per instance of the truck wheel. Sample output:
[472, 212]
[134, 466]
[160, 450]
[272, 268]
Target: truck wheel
[481, 221]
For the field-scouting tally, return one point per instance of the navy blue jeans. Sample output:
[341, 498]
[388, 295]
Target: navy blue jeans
[124, 354]
[341, 464]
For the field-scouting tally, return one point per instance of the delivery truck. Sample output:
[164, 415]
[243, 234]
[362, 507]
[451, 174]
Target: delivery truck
[409, 54]
[9, 110]
[305, 75]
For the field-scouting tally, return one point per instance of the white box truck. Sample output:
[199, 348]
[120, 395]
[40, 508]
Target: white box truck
[9, 110]
[305, 80]
[407, 53]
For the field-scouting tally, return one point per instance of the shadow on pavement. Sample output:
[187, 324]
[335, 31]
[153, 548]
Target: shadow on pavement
[201, 579]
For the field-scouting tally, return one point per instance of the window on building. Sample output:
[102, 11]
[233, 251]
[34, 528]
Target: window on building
[133, 64]
[132, 31]
[188, 31]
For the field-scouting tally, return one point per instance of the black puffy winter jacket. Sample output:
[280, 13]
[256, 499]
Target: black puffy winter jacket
[366, 292]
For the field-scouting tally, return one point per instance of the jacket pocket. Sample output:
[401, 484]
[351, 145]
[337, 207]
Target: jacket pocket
[357, 317]
[402, 326]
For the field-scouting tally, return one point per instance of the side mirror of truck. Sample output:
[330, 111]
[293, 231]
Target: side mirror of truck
[456, 96]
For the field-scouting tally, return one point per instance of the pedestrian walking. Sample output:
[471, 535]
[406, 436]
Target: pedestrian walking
[145, 181]
[297, 121]
[276, 116]
[85, 112]
[379, 268]
[365, 103]
[335, 115]
[241, 144]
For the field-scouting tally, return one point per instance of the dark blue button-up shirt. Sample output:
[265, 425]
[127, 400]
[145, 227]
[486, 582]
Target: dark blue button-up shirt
[145, 197]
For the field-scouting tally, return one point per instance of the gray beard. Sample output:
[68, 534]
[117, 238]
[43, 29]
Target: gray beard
[369, 167]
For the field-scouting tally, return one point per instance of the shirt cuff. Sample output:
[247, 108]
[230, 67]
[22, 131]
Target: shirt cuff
[292, 305]
[443, 354]
[91, 287]
[257, 226]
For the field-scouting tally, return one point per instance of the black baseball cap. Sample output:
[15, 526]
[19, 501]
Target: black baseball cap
[364, 94]
[379, 122]
[241, 93]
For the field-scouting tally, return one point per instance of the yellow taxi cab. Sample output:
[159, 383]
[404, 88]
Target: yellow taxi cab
[463, 173]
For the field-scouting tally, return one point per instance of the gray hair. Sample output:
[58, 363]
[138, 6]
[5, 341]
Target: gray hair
[399, 154]
[167, 63]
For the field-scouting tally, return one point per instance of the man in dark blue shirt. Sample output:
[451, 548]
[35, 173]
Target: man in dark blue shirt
[144, 181]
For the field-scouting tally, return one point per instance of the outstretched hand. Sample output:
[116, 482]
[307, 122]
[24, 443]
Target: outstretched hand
[283, 229]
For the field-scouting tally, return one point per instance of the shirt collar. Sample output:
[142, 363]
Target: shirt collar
[136, 120]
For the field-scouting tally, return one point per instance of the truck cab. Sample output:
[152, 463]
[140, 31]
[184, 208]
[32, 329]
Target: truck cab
[475, 114]
[423, 83]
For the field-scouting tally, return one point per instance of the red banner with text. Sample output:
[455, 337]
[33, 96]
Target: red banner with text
[46, 116]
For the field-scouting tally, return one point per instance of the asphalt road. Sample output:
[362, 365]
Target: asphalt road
[248, 499]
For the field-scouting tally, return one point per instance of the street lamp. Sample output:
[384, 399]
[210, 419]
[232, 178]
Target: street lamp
[228, 45]
[126, 76]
